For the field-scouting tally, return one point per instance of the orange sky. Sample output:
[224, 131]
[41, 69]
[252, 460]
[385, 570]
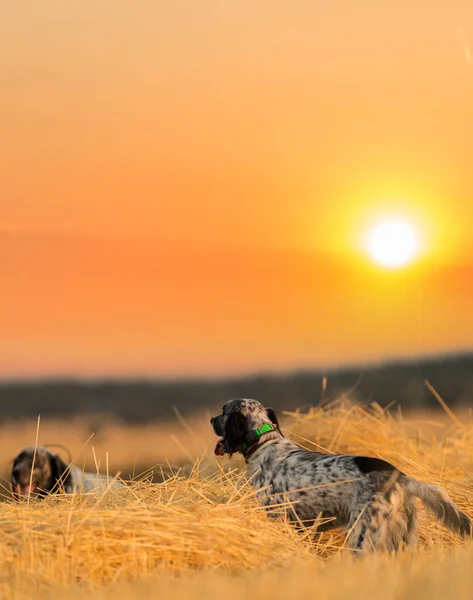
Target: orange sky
[183, 185]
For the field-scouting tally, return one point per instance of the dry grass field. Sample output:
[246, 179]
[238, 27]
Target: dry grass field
[201, 534]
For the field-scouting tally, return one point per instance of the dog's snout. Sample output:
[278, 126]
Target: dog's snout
[216, 423]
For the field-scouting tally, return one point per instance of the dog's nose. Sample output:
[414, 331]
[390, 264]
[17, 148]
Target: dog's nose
[212, 419]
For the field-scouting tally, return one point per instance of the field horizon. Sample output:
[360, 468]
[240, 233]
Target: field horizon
[138, 401]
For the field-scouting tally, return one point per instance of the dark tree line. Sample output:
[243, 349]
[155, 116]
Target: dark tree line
[140, 400]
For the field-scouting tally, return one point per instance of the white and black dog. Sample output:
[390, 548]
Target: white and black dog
[372, 499]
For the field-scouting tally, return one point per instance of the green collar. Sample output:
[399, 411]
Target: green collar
[252, 437]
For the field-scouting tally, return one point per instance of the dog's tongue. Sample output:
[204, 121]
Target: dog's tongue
[219, 450]
[27, 489]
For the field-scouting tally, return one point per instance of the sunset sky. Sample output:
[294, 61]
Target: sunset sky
[186, 186]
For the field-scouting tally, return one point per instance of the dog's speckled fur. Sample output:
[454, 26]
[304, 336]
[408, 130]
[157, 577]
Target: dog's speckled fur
[374, 501]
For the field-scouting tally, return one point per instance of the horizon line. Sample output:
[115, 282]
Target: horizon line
[256, 374]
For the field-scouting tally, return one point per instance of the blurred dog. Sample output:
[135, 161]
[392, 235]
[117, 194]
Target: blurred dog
[39, 473]
[372, 499]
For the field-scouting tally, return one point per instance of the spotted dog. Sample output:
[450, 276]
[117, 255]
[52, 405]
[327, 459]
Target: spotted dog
[373, 500]
[39, 473]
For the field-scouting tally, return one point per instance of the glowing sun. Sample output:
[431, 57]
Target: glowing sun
[393, 242]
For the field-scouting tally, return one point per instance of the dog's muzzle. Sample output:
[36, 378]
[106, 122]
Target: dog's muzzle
[22, 490]
[217, 425]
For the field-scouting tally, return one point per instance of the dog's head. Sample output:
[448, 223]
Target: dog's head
[241, 424]
[37, 472]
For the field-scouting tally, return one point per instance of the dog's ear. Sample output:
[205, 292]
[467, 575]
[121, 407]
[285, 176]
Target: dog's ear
[60, 473]
[234, 432]
[272, 416]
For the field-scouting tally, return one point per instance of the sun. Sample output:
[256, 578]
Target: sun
[393, 242]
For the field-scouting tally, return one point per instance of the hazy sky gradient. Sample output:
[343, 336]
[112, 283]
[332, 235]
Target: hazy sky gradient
[183, 185]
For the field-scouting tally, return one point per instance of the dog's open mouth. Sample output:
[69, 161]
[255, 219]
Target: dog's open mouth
[219, 448]
[24, 490]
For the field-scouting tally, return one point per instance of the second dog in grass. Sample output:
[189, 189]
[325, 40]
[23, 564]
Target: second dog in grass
[40, 472]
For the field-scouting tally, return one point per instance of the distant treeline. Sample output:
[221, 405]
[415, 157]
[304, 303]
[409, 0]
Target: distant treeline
[144, 400]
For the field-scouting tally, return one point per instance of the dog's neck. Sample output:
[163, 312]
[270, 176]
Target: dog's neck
[259, 437]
